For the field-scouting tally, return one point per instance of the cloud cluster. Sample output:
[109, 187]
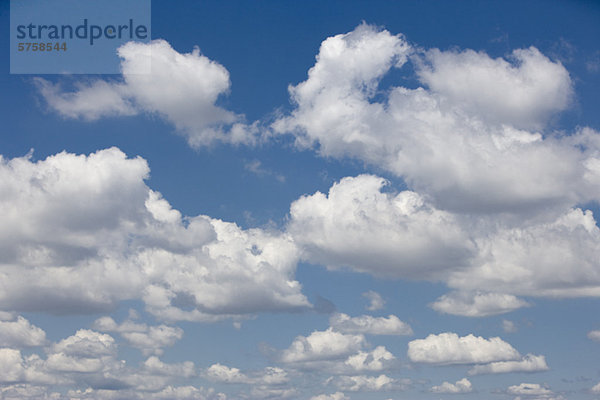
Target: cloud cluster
[81, 233]
[449, 348]
[367, 324]
[181, 88]
[461, 386]
[440, 138]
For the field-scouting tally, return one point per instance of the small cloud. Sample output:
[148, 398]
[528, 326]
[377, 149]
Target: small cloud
[255, 166]
[462, 386]
[509, 326]
[376, 302]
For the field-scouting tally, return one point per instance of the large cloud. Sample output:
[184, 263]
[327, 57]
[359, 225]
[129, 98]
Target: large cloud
[487, 260]
[20, 333]
[83, 232]
[449, 348]
[440, 139]
[182, 88]
[358, 225]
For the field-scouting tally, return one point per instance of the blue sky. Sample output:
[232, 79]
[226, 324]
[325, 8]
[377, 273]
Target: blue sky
[327, 200]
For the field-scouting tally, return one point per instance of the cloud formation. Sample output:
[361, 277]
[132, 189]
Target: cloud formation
[457, 139]
[449, 348]
[461, 386]
[367, 324]
[182, 88]
[81, 233]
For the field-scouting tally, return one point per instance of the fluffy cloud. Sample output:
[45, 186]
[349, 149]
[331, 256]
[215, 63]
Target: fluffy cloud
[360, 383]
[477, 304]
[376, 360]
[523, 91]
[376, 302]
[528, 389]
[322, 345]
[594, 335]
[149, 339]
[441, 139]
[333, 396]
[554, 258]
[449, 348]
[487, 260]
[20, 333]
[81, 233]
[529, 363]
[181, 88]
[269, 376]
[595, 388]
[367, 324]
[461, 386]
[358, 225]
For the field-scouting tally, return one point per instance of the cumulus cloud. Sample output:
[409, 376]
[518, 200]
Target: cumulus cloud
[367, 324]
[524, 90]
[81, 233]
[488, 261]
[322, 345]
[20, 333]
[378, 359]
[182, 88]
[333, 396]
[529, 389]
[376, 302]
[461, 386]
[555, 258]
[477, 304]
[458, 140]
[363, 383]
[149, 339]
[268, 376]
[449, 348]
[357, 225]
[529, 363]
[594, 335]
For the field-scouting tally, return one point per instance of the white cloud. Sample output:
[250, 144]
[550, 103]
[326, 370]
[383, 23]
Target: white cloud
[594, 335]
[529, 363]
[360, 383]
[80, 233]
[367, 324]
[524, 90]
[595, 388]
[181, 87]
[267, 377]
[461, 386]
[357, 225]
[21, 333]
[554, 258]
[477, 304]
[149, 339]
[449, 348]
[378, 359]
[333, 396]
[376, 302]
[529, 389]
[509, 326]
[86, 343]
[322, 345]
[441, 140]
